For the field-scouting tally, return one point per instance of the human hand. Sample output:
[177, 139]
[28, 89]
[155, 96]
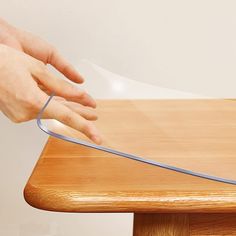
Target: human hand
[37, 48]
[24, 83]
[27, 82]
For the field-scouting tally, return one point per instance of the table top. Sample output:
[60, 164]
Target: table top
[200, 134]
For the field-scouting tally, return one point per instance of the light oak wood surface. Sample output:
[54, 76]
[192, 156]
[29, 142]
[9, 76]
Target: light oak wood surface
[194, 134]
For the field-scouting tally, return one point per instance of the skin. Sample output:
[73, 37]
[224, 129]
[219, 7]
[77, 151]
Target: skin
[26, 82]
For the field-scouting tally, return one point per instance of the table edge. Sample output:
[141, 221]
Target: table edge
[51, 200]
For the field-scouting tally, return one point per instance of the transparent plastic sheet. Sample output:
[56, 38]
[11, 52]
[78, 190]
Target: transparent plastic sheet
[167, 128]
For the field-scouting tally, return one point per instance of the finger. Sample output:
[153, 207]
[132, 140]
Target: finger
[63, 88]
[43, 51]
[86, 112]
[65, 115]
[62, 65]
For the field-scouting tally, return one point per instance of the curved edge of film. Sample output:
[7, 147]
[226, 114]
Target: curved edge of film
[123, 154]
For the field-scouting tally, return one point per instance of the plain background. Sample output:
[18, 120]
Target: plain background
[186, 45]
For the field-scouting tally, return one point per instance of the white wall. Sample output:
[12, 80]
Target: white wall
[184, 44]
[190, 45]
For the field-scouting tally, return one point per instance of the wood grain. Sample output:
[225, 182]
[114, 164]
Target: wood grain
[184, 224]
[161, 224]
[212, 224]
[194, 134]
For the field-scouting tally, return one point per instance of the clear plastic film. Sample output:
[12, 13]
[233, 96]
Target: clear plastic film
[171, 129]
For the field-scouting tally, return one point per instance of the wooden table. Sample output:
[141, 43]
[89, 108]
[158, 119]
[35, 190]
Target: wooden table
[72, 178]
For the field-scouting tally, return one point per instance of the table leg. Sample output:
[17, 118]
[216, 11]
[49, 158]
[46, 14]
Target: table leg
[161, 224]
[158, 224]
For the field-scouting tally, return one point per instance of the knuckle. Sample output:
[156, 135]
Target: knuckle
[29, 104]
[36, 103]
[67, 119]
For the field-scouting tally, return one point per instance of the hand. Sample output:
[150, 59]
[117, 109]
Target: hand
[37, 48]
[25, 82]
